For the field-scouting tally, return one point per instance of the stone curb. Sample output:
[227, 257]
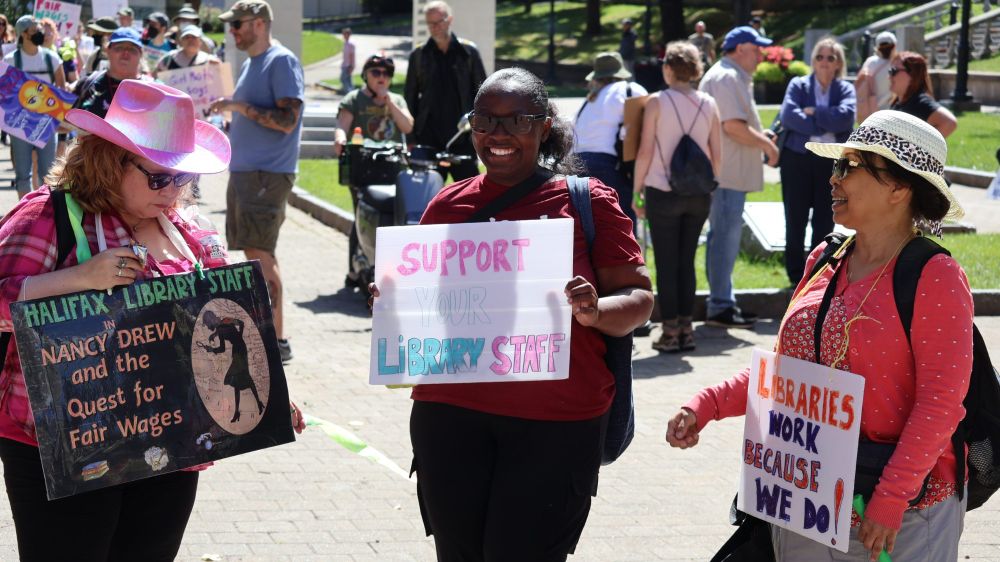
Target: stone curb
[969, 177]
[768, 303]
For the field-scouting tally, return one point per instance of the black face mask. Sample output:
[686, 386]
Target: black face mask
[885, 50]
[38, 37]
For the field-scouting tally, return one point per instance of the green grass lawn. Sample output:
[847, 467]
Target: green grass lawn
[322, 179]
[973, 145]
[316, 45]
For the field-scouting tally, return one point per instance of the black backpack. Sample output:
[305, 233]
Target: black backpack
[980, 429]
[65, 241]
[690, 169]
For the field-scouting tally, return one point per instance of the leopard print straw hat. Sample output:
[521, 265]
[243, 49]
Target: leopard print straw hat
[904, 139]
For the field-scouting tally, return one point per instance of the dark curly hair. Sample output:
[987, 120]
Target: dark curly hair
[555, 152]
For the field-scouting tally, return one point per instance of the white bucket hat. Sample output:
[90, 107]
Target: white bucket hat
[905, 140]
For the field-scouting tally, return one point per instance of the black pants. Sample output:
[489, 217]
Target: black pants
[142, 520]
[805, 185]
[675, 223]
[496, 489]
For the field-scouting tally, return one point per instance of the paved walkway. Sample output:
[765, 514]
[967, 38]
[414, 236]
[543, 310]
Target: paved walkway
[313, 500]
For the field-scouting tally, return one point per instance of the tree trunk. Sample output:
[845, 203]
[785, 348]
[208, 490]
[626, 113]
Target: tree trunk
[672, 20]
[741, 12]
[593, 17]
[527, 6]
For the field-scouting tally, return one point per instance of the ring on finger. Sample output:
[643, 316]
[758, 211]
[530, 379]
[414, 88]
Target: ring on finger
[122, 263]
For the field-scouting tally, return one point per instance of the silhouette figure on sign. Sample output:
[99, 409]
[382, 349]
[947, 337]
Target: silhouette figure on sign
[231, 330]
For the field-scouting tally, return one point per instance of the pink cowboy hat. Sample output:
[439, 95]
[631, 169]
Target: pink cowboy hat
[157, 122]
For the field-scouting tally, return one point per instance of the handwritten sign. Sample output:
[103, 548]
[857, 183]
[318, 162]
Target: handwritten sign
[800, 446]
[480, 302]
[65, 14]
[108, 8]
[31, 109]
[204, 84]
[161, 375]
[152, 56]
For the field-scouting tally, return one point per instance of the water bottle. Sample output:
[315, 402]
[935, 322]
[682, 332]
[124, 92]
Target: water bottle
[356, 138]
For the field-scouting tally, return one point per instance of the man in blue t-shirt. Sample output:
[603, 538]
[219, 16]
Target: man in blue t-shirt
[265, 134]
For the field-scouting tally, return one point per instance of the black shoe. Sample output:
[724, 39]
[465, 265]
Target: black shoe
[644, 330]
[285, 350]
[747, 315]
[729, 318]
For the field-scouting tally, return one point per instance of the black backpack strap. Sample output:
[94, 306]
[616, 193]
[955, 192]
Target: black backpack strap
[18, 61]
[579, 194]
[911, 262]
[65, 238]
[834, 241]
[511, 196]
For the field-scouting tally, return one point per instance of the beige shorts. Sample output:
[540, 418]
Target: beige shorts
[255, 209]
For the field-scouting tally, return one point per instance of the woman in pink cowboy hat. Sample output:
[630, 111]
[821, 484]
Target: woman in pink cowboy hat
[129, 176]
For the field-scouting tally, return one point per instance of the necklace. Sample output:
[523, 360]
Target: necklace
[852, 276]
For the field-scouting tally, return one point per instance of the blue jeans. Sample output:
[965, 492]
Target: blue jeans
[725, 224]
[22, 150]
[604, 167]
[345, 79]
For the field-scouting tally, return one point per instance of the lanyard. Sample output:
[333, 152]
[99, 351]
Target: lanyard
[83, 246]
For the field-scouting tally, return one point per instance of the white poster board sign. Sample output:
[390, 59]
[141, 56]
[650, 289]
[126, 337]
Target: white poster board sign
[65, 14]
[800, 446]
[7, 48]
[108, 8]
[204, 84]
[152, 56]
[479, 302]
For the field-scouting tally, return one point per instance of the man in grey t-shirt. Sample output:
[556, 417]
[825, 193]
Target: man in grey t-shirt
[265, 135]
[704, 41]
[729, 81]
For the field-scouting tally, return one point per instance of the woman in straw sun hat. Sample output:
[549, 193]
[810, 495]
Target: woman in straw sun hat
[887, 183]
[130, 175]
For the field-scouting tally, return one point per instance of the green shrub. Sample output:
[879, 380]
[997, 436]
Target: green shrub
[769, 72]
[798, 68]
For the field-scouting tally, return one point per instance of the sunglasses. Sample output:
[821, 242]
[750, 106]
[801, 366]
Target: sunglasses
[894, 70]
[157, 182]
[379, 73]
[237, 24]
[827, 58]
[843, 166]
[516, 125]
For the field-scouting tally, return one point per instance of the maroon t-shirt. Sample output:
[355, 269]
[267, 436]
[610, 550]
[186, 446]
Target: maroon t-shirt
[588, 391]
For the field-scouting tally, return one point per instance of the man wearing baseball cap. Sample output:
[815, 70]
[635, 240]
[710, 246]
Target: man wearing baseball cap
[730, 82]
[126, 16]
[124, 58]
[265, 134]
[873, 81]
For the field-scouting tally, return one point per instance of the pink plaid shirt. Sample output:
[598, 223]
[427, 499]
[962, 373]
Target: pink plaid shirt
[28, 247]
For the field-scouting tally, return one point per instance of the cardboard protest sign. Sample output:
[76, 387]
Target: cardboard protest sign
[635, 107]
[479, 302]
[31, 109]
[152, 56]
[164, 374]
[65, 14]
[205, 84]
[108, 8]
[800, 446]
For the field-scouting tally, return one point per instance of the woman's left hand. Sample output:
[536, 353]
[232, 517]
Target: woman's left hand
[298, 420]
[876, 538]
[582, 295]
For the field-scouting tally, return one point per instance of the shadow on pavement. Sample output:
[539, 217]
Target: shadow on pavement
[345, 301]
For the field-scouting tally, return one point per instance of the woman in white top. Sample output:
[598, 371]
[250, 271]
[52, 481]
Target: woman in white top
[599, 122]
[675, 220]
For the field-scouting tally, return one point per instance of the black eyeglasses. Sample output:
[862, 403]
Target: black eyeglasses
[516, 125]
[237, 24]
[379, 73]
[157, 182]
[894, 70]
[827, 58]
[843, 166]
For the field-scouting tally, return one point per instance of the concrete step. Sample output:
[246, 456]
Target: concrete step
[318, 134]
[315, 149]
[326, 119]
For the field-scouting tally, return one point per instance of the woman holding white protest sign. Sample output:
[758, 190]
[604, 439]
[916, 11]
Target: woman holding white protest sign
[887, 182]
[506, 471]
[122, 188]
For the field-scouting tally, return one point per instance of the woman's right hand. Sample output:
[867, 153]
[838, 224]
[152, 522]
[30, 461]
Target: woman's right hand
[372, 294]
[682, 429]
[110, 268]
[640, 211]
